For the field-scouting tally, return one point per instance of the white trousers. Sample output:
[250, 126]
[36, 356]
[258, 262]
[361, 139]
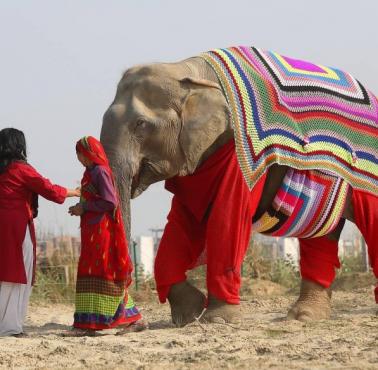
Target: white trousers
[14, 298]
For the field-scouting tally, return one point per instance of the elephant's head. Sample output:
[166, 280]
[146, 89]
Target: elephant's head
[165, 120]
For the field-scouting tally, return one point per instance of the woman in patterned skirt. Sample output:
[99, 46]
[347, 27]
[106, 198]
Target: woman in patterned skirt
[104, 271]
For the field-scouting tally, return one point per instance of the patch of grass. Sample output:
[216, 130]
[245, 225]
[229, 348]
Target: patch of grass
[259, 263]
[350, 265]
[54, 284]
[49, 287]
[285, 272]
[144, 291]
[354, 280]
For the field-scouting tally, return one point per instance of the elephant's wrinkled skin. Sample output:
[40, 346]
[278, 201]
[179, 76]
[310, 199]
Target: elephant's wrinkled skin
[165, 120]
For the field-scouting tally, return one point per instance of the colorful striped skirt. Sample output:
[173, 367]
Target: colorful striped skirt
[103, 304]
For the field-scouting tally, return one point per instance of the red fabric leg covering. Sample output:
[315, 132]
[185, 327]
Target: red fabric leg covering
[228, 233]
[319, 259]
[182, 243]
[365, 208]
[225, 231]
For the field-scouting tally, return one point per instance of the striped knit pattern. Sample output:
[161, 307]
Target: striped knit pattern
[102, 304]
[298, 114]
[308, 204]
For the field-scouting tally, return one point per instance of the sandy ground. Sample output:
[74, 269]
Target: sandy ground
[349, 340]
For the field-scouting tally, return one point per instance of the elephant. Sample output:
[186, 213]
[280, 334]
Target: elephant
[167, 120]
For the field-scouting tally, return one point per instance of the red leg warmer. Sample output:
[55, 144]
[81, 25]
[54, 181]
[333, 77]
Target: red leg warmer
[319, 259]
[365, 208]
[182, 243]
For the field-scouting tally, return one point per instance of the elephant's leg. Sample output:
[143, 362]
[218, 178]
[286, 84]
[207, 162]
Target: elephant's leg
[365, 207]
[180, 247]
[319, 259]
[220, 312]
[227, 239]
[187, 303]
[314, 303]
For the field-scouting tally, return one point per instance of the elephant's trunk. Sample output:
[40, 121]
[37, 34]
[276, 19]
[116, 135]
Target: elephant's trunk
[124, 188]
[122, 177]
[115, 145]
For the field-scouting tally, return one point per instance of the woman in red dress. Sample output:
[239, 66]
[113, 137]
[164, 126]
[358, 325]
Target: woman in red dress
[104, 270]
[20, 185]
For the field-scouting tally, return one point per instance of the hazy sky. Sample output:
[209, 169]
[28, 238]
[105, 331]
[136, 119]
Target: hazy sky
[60, 62]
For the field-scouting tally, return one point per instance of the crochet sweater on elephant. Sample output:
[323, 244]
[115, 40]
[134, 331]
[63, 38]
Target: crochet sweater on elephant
[299, 114]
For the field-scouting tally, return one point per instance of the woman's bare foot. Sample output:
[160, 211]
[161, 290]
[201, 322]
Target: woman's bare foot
[134, 327]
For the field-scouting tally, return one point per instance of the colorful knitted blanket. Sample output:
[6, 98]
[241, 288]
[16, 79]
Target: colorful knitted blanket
[298, 114]
[309, 204]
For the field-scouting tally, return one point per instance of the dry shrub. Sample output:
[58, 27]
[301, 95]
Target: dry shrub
[260, 264]
[144, 290]
[352, 274]
[256, 265]
[350, 265]
[50, 287]
[285, 272]
[197, 277]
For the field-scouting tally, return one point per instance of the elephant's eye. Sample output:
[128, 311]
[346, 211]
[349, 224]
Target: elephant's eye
[140, 125]
[141, 128]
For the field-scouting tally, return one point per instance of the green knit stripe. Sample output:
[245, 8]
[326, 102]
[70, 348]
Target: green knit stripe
[97, 303]
[282, 117]
[130, 302]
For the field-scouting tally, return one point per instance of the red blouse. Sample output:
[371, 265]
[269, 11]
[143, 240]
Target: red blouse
[17, 185]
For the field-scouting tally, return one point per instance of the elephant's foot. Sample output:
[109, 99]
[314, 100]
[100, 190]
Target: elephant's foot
[222, 312]
[187, 303]
[314, 303]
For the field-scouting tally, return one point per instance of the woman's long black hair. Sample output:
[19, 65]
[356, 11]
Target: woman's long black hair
[12, 147]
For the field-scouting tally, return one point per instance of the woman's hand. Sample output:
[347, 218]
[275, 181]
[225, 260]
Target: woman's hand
[76, 210]
[74, 192]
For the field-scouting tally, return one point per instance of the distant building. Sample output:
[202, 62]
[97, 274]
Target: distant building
[143, 255]
[157, 234]
[288, 249]
[351, 247]
[63, 246]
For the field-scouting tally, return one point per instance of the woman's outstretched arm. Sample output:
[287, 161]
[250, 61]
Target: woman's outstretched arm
[35, 182]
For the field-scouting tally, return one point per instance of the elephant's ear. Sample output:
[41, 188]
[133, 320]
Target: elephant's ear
[204, 117]
[201, 82]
